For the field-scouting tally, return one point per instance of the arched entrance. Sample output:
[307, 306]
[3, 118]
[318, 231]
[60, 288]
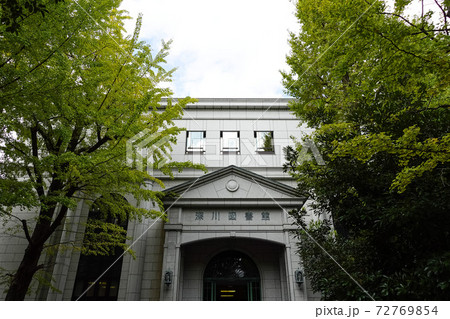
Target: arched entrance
[231, 276]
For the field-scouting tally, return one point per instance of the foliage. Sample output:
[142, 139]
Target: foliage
[15, 11]
[267, 143]
[74, 89]
[373, 83]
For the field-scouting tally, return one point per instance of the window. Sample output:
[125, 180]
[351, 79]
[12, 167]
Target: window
[264, 141]
[229, 141]
[90, 267]
[195, 141]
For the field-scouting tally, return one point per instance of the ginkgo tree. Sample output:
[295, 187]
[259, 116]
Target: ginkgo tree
[73, 89]
[373, 82]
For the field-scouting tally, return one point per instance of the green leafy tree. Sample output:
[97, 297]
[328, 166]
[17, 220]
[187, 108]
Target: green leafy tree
[13, 12]
[374, 84]
[74, 89]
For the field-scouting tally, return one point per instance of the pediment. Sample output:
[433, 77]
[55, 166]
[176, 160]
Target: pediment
[232, 184]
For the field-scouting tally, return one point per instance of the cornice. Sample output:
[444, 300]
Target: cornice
[236, 104]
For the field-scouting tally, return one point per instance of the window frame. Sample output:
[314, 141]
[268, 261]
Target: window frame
[230, 150]
[261, 149]
[190, 149]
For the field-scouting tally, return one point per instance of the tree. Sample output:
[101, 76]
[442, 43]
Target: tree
[268, 142]
[373, 83]
[14, 11]
[74, 89]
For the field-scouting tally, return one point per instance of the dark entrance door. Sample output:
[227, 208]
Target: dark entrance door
[231, 276]
[232, 291]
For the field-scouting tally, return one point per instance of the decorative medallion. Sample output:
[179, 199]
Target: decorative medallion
[232, 185]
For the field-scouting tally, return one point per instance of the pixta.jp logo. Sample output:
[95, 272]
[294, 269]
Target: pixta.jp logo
[147, 150]
[304, 156]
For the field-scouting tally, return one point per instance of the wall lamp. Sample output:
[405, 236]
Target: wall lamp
[168, 277]
[298, 275]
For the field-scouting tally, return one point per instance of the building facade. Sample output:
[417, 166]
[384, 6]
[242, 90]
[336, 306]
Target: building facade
[228, 235]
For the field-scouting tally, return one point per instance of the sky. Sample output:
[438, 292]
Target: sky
[222, 49]
[228, 49]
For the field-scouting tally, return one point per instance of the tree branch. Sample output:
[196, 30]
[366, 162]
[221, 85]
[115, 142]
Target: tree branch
[402, 50]
[62, 211]
[404, 19]
[47, 57]
[34, 149]
[443, 13]
[422, 29]
[112, 85]
[75, 138]
[94, 147]
[25, 229]
[39, 267]
[39, 64]
[3, 64]
[47, 138]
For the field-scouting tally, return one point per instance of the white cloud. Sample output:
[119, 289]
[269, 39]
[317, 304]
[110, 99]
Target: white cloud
[231, 48]
[221, 48]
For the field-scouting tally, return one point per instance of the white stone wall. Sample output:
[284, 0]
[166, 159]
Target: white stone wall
[246, 122]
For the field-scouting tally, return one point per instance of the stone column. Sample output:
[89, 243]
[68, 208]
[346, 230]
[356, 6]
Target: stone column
[171, 263]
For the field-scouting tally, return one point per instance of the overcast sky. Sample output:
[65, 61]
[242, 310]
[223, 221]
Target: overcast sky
[232, 48]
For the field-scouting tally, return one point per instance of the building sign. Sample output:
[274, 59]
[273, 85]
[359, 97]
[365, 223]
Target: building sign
[215, 216]
[249, 216]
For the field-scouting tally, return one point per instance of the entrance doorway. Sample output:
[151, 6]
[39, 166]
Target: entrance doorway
[231, 276]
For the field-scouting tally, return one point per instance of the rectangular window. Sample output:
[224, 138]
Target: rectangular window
[229, 141]
[195, 141]
[264, 141]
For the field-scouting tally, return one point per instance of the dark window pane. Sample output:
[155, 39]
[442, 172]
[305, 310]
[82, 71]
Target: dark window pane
[113, 289]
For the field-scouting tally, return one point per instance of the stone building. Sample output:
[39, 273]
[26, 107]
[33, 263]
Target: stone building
[227, 236]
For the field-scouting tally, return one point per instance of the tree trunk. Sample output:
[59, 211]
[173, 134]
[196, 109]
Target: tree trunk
[29, 264]
[22, 278]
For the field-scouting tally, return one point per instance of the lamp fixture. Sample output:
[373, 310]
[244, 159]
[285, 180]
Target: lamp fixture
[298, 275]
[168, 277]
